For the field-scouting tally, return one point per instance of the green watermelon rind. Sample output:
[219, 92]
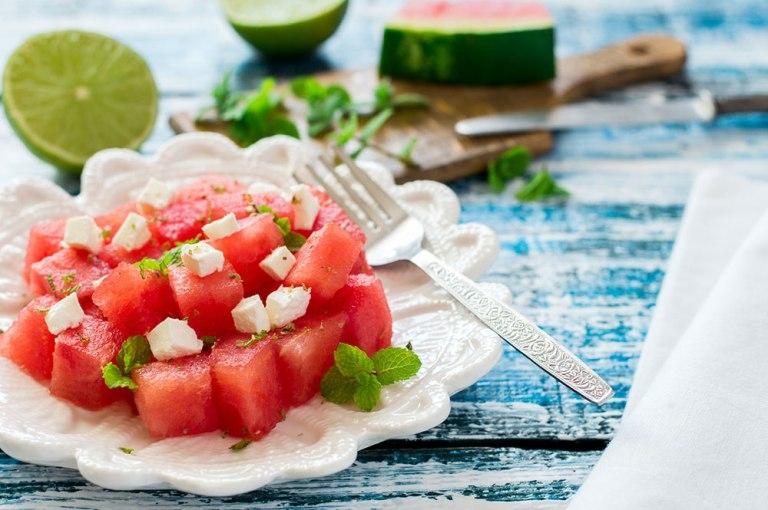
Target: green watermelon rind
[471, 57]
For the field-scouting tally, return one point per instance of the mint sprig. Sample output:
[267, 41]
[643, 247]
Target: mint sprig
[356, 377]
[293, 240]
[542, 186]
[161, 264]
[134, 353]
[510, 165]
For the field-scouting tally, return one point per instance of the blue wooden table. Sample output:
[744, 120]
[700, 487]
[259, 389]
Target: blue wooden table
[588, 271]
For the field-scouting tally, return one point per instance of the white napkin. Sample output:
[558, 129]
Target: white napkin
[695, 432]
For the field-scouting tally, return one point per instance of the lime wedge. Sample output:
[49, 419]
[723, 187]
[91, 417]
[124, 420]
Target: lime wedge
[69, 94]
[285, 27]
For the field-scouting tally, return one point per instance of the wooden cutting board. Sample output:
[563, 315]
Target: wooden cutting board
[442, 155]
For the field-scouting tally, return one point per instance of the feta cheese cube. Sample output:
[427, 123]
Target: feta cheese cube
[222, 227]
[65, 314]
[156, 194]
[287, 304]
[82, 232]
[260, 188]
[305, 207]
[202, 258]
[250, 316]
[173, 338]
[133, 233]
[278, 263]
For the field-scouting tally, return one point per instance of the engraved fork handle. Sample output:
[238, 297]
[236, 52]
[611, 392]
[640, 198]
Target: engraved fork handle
[517, 331]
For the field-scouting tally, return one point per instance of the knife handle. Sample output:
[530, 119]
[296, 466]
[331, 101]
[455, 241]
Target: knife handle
[741, 104]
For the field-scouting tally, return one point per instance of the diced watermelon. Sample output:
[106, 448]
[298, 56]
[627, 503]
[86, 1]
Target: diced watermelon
[331, 212]
[175, 398]
[66, 269]
[207, 187]
[207, 301]
[257, 237]
[282, 207]
[133, 303]
[324, 262]
[361, 265]
[110, 222]
[78, 359]
[28, 343]
[113, 254]
[44, 239]
[246, 386]
[179, 221]
[306, 354]
[369, 321]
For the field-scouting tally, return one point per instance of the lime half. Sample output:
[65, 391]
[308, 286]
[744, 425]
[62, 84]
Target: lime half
[285, 27]
[69, 94]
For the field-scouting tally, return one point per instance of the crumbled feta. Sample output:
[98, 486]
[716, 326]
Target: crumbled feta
[305, 207]
[287, 304]
[133, 233]
[65, 314]
[250, 316]
[222, 227]
[83, 232]
[156, 194]
[173, 338]
[202, 258]
[278, 263]
[99, 281]
[260, 188]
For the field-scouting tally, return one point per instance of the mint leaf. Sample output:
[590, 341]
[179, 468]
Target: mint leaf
[382, 95]
[240, 445]
[368, 392]
[410, 101]
[209, 340]
[510, 165]
[126, 450]
[337, 388]
[134, 353]
[395, 364]
[406, 153]
[346, 130]
[294, 241]
[351, 360]
[373, 125]
[255, 116]
[114, 377]
[284, 224]
[541, 186]
[161, 264]
[256, 337]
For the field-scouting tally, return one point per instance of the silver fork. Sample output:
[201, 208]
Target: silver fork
[394, 235]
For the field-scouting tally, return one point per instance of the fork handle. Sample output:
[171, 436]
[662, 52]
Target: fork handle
[516, 330]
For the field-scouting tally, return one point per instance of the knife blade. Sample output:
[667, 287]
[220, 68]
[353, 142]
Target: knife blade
[700, 107]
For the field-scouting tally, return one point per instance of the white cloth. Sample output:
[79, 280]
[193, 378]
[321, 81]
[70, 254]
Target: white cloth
[695, 431]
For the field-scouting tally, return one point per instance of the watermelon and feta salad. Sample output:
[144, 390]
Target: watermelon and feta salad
[215, 306]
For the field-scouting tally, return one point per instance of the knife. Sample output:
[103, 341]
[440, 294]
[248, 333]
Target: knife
[701, 107]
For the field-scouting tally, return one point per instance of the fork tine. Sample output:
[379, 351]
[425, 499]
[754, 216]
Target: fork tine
[382, 197]
[363, 223]
[375, 215]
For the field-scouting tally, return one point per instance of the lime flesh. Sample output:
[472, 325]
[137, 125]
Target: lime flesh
[285, 27]
[70, 94]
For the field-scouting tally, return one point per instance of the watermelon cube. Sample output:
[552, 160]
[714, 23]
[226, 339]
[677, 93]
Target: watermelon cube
[207, 301]
[28, 343]
[44, 239]
[78, 359]
[135, 303]
[306, 354]
[207, 187]
[369, 321]
[257, 237]
[246, 386]
[179, 221]
[331, 212]
[65, 270]
[113, 254]
[175, 398]
[361, 265]
[325, 261]
[111, 221]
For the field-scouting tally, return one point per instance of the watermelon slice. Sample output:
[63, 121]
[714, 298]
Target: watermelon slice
[65, 270]
[44, 239]
[175, 398]
[28, 343]
[207, 187]
[78, 358]
[306, 354]
[476, 42]
[331, 212]
[369, 321]
[324, 262]
[246, 386]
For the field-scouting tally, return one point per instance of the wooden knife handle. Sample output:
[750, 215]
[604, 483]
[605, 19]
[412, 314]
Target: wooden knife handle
[742, 104]
[642, 58]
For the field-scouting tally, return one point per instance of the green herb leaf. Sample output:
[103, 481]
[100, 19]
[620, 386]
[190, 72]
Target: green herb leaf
[410, 101]
[395, 364]
[258, 115]
[368, 392]
[541, 186]
[256, 337]
[337, 388]
[284, 224]
[114, 377]
[134, 353]
[382, 95]
[294, 241]
[351, 360]
[373, 125]
[169, 258]
[406, 153]
[510, 165]
[346, 130]
[209, 340]
[240, 445]
[126, 450]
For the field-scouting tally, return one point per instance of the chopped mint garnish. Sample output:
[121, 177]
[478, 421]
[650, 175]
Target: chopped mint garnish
[293, 240]
[356, 377]
[240, 445]
[126, 450]
[541, 186]
[209, 340]
[511, 164]
[256, 337]
[134, 353]
[161, 264]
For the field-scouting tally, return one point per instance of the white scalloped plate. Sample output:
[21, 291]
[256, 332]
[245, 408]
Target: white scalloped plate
[316, 439]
